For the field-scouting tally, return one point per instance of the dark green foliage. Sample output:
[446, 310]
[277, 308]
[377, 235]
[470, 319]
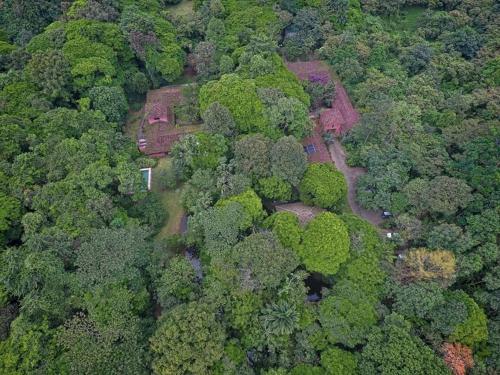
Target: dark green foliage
[83, 274]
[50, 72]
[288, 160]
[347, 315]
[112, 256]
[252, 155]
[391, 349]
[177, 283]
[217, 119]
[24, 19]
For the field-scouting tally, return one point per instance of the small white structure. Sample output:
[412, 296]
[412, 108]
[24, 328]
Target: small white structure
[146, 177]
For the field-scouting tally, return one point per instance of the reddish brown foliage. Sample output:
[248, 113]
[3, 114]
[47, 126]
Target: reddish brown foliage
[458, 357]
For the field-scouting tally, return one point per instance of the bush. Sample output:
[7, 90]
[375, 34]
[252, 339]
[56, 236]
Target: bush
[322, 186]
[325, 244]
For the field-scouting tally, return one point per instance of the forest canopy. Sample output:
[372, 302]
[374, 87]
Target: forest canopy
[265, 240]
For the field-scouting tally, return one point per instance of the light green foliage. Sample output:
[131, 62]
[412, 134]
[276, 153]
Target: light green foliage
[251, 204]
[304, 369]
[284, 80]
[338, 362]
[287, 228]
[188, 346]
[325, 244]
[473, 330]
[153, 40]
[363, 267]
[323, 186]
[30, 348]
[22, 99]
[240, 97]
[247, 20]
[275, 189]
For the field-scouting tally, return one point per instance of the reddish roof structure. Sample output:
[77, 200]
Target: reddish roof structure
[331, 120]
[160, 104]
[342, 116]
[158, 130]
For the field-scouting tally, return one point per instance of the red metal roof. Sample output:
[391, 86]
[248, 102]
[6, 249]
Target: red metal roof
[332, 120]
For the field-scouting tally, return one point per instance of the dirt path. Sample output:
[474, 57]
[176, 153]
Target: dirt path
[337, 154]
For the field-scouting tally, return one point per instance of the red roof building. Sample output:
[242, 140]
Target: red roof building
[342, 116]
[331, 120]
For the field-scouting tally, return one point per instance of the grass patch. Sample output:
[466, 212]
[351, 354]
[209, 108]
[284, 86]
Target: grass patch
[170, 198]
[406, 20]
[132, 125]
[185, 7]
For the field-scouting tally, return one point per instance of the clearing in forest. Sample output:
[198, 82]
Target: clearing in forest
[337, 120]
[170, 198]
[160, 127]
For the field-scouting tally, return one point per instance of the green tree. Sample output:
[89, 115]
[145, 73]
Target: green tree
[251, 204]
[188, 346]
[252, 257]
[473, 330]
[50, 71]
[338, 362]
[240, 97]
[111, 101]
[177, 283]
[218, 120]
[392, 349]
[274, 188]
[286, 226]
[252, 155]
[322, 185]
[198, 151]
[279, 319]
[112, 256]
[325, 244]
[288, 160]
[288, 116]
[347, 315]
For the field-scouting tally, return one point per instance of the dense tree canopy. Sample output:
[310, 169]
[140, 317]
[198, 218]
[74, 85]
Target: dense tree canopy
[96, 276]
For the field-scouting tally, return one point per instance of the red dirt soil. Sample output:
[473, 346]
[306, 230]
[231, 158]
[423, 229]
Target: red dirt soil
[351, 175]
[348, 117]
[321, 155]
[158, 138]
